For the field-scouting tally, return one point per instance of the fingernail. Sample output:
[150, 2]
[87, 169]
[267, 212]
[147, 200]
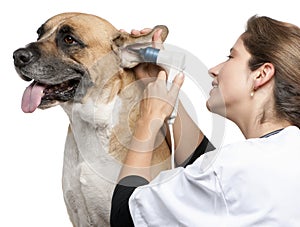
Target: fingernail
[181, 75]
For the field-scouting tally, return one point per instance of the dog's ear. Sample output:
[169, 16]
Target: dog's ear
[123, 39]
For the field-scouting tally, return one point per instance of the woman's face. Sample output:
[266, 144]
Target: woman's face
[231, 83]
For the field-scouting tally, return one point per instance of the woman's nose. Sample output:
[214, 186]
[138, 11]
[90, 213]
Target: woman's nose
[214, 71]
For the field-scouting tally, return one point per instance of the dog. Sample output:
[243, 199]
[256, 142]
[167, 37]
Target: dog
[76, 63]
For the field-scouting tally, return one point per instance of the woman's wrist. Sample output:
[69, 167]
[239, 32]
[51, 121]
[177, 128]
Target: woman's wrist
[147, 127]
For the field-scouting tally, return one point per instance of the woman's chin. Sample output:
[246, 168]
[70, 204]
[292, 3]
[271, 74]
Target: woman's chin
[208, 106]
[219, 108]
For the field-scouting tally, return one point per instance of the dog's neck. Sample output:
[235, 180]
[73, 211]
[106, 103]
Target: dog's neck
[109, 110]
[97, 104]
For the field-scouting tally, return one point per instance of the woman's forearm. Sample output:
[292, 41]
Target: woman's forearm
[139, 155]
[187, 135]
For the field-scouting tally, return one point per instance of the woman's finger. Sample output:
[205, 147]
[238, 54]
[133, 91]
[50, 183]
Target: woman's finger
[176, 85]
[135, 32]
[122, 30]
[162, 75]
[145, 30]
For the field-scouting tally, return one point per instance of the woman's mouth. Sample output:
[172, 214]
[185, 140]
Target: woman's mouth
[214, 86]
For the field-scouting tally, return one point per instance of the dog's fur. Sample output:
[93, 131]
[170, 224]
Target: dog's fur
[80, 52]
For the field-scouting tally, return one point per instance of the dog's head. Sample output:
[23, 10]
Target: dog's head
[61, 59]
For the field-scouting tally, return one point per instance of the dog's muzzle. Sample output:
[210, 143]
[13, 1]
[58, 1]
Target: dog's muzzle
[54, 81]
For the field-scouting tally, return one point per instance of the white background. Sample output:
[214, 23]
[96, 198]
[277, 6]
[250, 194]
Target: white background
[32, 144]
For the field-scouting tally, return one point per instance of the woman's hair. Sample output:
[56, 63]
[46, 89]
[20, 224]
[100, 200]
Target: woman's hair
[276, 42]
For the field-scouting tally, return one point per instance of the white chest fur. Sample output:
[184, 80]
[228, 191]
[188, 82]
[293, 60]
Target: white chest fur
[90, 172]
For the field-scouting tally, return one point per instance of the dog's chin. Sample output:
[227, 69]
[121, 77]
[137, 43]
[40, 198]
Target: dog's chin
[43, 96]
[49, 104]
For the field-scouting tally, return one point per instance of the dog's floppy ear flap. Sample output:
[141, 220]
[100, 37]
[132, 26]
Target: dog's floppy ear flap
[124, 39]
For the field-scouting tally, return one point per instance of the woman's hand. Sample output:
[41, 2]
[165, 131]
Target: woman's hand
[158, 102]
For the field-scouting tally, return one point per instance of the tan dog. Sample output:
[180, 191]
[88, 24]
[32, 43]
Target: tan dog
[75, 63]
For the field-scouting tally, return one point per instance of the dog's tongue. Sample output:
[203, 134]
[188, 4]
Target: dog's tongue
[32, 97]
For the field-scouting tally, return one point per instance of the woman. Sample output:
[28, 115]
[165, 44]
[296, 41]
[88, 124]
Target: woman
[254, 182]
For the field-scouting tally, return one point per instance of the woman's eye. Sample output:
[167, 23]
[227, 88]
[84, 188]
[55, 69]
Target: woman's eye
[229, 56]
[69, 40]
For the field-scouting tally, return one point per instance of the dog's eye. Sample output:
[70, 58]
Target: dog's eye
[69, 40]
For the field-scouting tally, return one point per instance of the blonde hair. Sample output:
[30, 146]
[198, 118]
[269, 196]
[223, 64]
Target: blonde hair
[276, 42]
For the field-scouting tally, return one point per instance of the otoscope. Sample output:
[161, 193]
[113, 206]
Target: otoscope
[172, 61]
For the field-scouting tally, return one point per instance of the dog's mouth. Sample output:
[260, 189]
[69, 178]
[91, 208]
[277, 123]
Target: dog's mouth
[39, 95]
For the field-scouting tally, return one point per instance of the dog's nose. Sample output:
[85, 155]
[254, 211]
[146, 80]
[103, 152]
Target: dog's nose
[22, 57]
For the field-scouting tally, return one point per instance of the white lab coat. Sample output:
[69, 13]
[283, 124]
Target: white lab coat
[255, 182]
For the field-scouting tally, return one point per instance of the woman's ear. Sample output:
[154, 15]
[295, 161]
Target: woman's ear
[264, 75]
